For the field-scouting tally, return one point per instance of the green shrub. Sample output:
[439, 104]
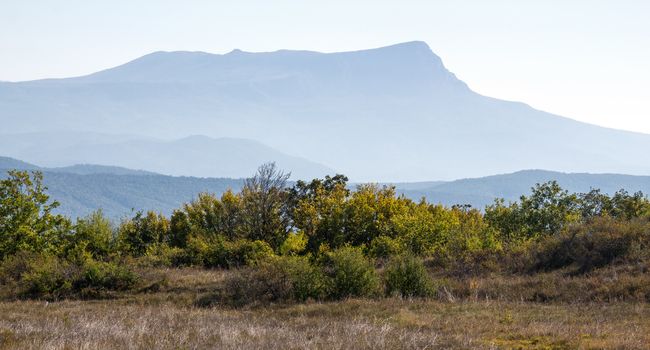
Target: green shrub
[100, 276]
[351, 274]
[47, 277]
[141, 231]
[246, 252]
[196, 252]
[228, 254]
[276, 279]
[220, 252]
[601, 242]
[162, 255]
[41, 276]
[407, 276]
[307, 280]
[385, 247]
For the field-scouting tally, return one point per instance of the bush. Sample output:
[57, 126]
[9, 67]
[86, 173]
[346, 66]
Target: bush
[596, 244]
[407, 276]
[246, 252]
[101, 276]
[228, 254]
[41, 276]
[162, 255]
[351, 274]
[276, 279]
[307, 280]
[220, 252]
[47, 277]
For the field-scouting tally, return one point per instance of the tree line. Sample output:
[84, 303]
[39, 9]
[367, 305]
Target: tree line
[313, 220]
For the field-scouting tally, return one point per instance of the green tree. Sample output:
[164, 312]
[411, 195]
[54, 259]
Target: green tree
[594, 204]
[424, 228]
[370, 213]
[179, 229]
[26, 218]
[94, 234]
[545, 212]
[628, 206]
[508, 220]
[548, 209]
[137, 234]
[318, 209]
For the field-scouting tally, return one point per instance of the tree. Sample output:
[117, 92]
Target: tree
[93, 233]
[628, 206]
[594, 204]
[507, 219]
[26, 218]
[137, 234]
[548, 209]
[318, 209]
[424, 228]
[545, 212]
[370, 213]
[264, 211]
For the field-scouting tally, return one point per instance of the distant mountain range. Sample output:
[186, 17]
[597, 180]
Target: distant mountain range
[120, 191]
[79, 169]
[388, 114]
[198, 156]
[480, 192]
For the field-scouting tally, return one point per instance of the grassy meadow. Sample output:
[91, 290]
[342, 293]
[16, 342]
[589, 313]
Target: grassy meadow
[164, 314]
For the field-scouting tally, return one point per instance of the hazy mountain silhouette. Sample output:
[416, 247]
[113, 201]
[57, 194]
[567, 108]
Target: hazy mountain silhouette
[7, 163]
[194, 155]
[388, 114]
[482, 191]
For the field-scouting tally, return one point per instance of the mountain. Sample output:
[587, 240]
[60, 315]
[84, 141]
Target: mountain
[198, 156]
[480, 192]
[7, 163]
[11, 163]
[388, 114]
[87, 169]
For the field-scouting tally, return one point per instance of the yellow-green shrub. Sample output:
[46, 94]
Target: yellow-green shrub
[351, 273]
[407, 276]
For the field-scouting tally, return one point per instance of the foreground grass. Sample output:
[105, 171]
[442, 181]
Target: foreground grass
[352, 324]
[164, 316]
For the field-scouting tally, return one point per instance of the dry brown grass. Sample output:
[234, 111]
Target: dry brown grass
[163, 316]
[352, 324]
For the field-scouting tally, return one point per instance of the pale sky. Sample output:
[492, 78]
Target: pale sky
[584, 59]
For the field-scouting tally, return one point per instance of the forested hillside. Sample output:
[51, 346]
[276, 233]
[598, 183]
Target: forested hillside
[82, 189]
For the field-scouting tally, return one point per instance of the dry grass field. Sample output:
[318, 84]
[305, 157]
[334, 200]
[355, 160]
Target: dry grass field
[164, 316]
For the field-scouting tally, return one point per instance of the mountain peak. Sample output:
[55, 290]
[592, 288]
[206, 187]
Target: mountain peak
[411, 45]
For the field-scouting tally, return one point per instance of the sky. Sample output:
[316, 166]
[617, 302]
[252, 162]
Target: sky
[585, 59]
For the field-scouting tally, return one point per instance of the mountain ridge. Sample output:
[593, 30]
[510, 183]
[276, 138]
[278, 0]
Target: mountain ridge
[194, 155]
[386, 114]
